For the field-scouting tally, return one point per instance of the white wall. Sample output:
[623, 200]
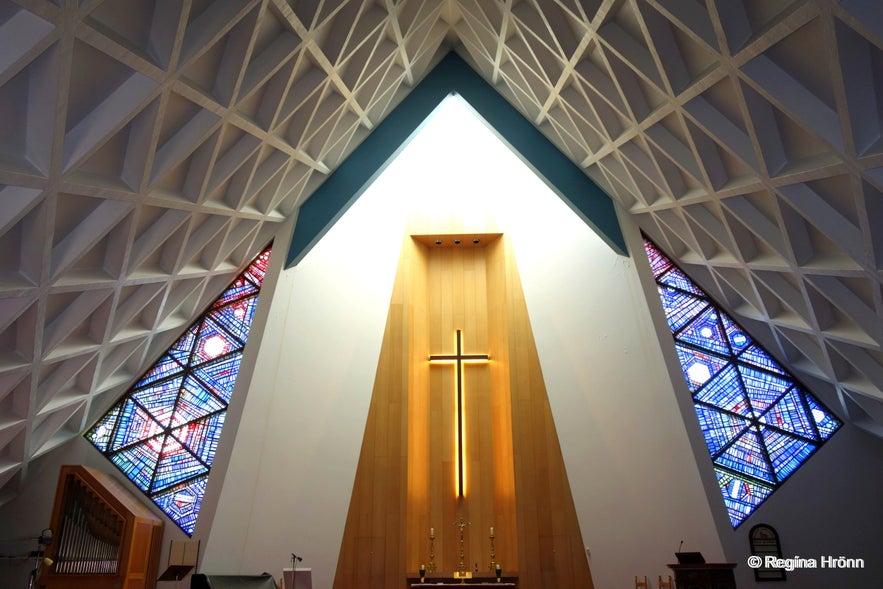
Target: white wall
[631, 467]
[290, 476]
[634, 481]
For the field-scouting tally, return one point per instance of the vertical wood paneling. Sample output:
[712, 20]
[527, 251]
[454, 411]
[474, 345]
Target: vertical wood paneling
[374, 546]
[505, 523]
[405, 480]
[547, 524]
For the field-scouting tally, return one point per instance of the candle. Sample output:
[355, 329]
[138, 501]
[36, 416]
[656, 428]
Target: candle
[492, 531]
[432, 532]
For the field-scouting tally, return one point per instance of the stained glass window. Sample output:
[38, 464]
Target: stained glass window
[164, 432]
[759, 423]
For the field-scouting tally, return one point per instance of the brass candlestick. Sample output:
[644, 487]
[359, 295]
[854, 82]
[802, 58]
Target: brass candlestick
[493, 565]
[461, 568]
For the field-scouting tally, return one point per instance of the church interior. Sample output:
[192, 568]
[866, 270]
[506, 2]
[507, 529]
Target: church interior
[537, 293]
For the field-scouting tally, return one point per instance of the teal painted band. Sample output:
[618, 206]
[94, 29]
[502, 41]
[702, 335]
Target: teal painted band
[452, 75]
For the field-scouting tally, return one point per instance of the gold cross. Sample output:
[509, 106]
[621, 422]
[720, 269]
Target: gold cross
[459, 358]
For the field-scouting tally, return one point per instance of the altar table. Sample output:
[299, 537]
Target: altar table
[454, 584]
[479, 579]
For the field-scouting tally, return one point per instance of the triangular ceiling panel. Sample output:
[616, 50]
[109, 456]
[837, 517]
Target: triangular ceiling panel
[22, 32]
[28, 100]
[97, 109]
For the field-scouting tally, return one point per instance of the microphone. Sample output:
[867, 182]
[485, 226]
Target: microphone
[45, 537]
[295, 557]
[681, 545]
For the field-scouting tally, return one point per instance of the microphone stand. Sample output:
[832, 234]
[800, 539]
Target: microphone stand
[294, 560]
[44, 540]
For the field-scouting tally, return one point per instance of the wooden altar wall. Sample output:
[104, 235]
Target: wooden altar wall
[405, 480]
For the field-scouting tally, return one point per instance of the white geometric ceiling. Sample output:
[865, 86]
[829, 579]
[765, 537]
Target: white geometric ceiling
[150, 148]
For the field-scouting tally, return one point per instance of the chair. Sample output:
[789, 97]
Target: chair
[642, 584]
[663, 584]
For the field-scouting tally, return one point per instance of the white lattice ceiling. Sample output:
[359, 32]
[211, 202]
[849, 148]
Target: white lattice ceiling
[150, 148]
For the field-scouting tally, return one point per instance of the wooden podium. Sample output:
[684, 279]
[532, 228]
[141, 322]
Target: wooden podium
[705, 575]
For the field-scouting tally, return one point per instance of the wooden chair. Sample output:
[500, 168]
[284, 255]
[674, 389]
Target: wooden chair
[663, 584]
[642, 584]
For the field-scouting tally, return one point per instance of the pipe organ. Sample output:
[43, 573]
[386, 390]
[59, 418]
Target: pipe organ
[90, 533]
[105, 537]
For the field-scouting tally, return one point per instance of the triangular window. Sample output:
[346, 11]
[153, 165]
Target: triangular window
[164, 432]
[759, 423]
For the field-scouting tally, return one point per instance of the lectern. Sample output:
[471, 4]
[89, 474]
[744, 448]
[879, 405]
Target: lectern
[705, 575]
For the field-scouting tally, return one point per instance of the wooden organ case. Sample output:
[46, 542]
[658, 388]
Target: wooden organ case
[104, 537]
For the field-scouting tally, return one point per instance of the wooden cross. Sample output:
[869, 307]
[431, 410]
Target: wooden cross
[459, 358]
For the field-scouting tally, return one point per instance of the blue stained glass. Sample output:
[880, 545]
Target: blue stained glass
[100, 434]
[213, 342]
[756, 356]
[658, 262]
[195, 402]
[786, 452]
[176, 465]
[159, 399]
[746, 455]
[239, 289]
[706, 332]
[719, 428]
[181, 503]
[738, 339]
[763, 389]
[677, 279]
[789, 414]
[138, 462]
[826, 423]
[164, 368]
[220, 375]
[737, 385]
[741, 496]
[236, 317]
[680, 308]
[726, 392]
[164, 433]
[698, 366]
[182, 348]
[135, 424]
[201, 437]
